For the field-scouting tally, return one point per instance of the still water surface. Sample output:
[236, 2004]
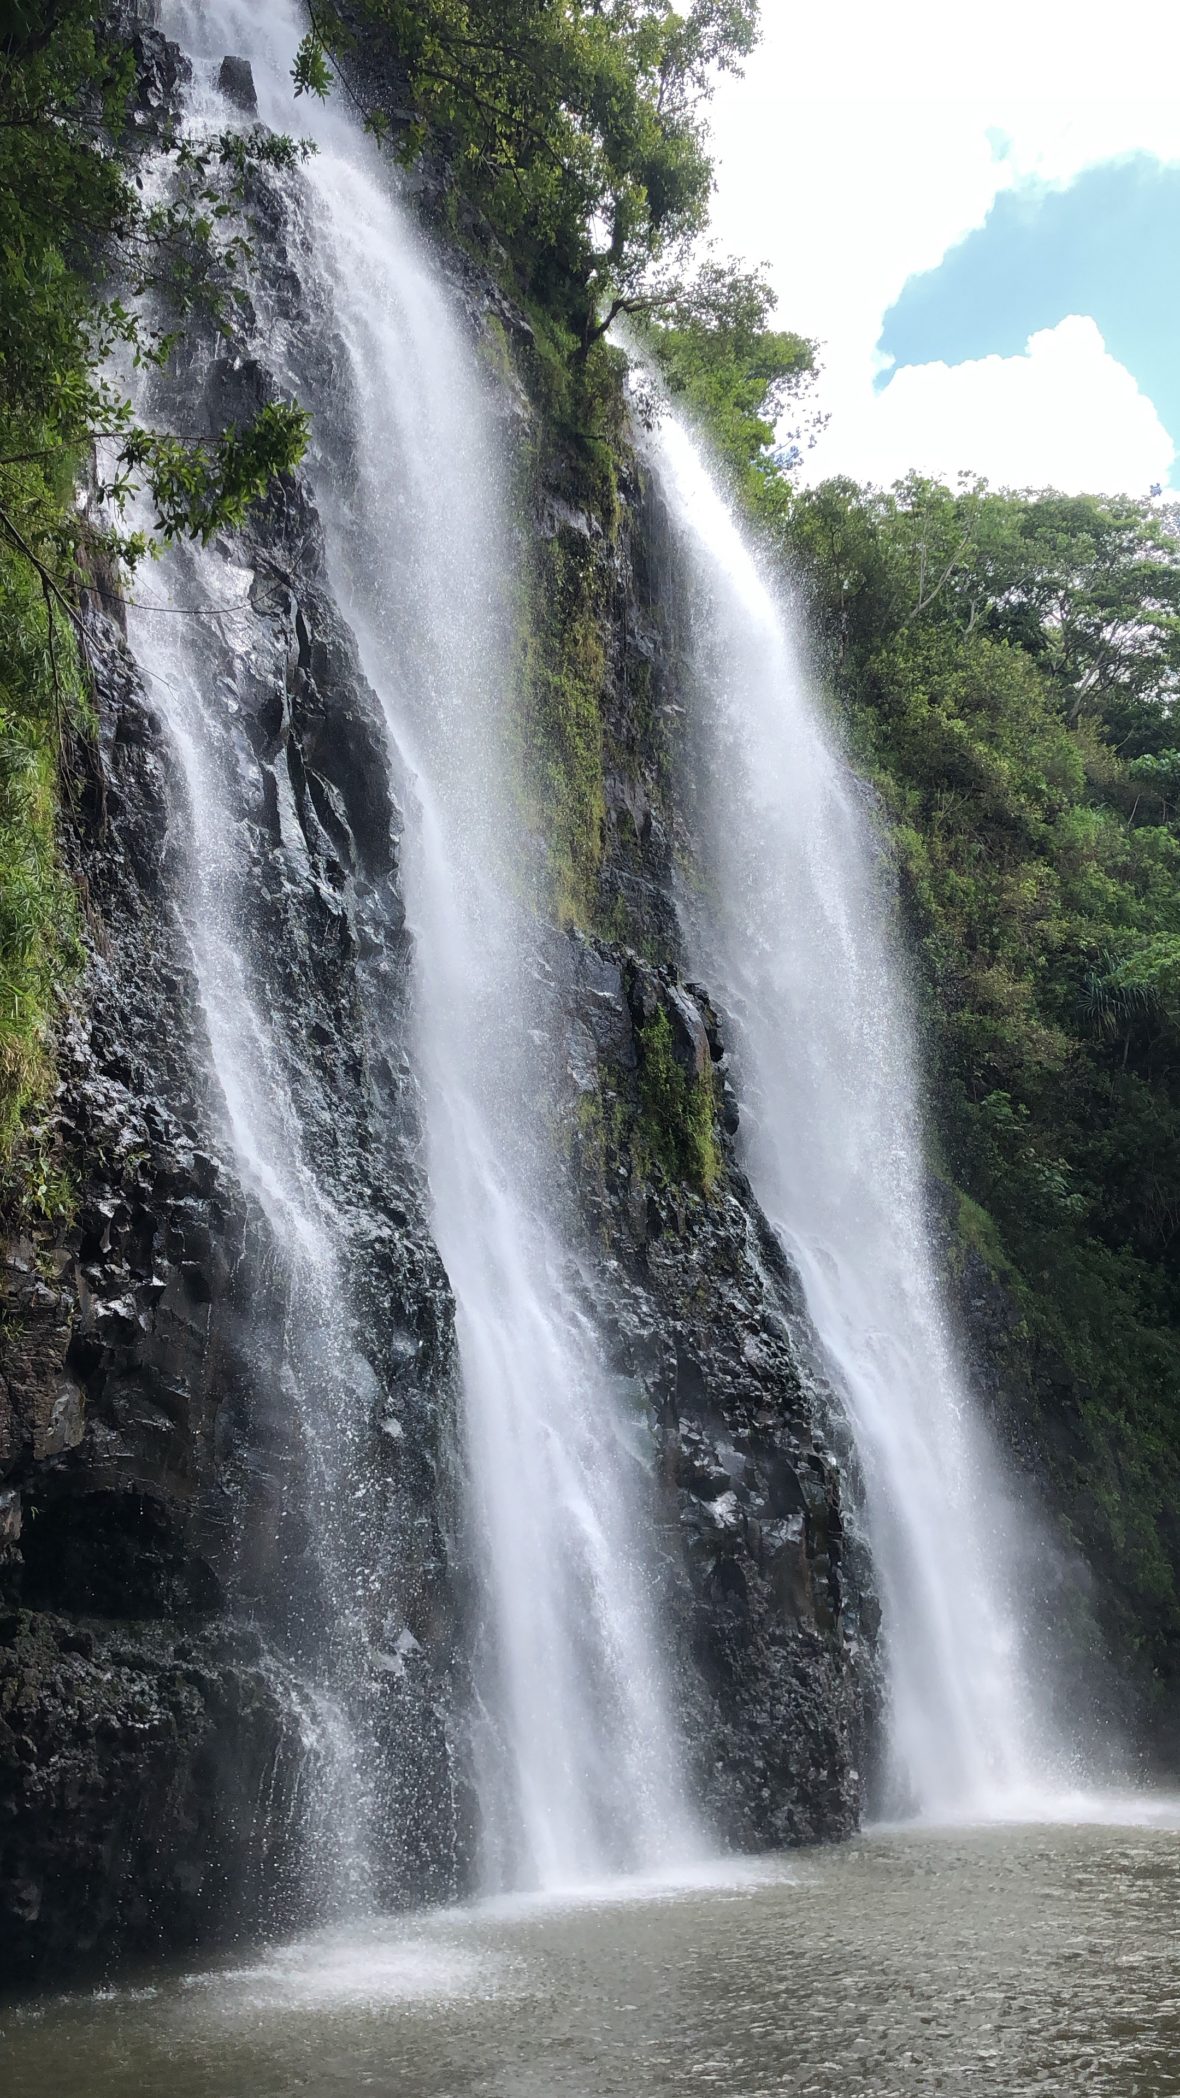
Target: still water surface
[1006, 1961]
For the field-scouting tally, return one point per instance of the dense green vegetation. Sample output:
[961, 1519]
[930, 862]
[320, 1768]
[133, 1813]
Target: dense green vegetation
[678, 1110]
[574, 126]
[562, 674]
[1007, 666]
[36, 901]
[741, 380]
[72, 220]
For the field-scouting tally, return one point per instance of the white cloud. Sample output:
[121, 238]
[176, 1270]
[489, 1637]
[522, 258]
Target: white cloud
[864, 142]
[1065, 415]
[1064, 51]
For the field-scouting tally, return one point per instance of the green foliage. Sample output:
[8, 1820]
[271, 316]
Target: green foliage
[574, 126]
[563, 671]
[662, 1128]
[1009, 668]
[73, 215]
[734, 374]
[677, 1109]
[580, 404]
[199, 489]
[977, 1231]
[73, 219]
[38, 942]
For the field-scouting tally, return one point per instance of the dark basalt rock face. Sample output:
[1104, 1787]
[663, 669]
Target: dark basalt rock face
[153, 1477]
[236, 81]
[140, 1766]
[775, 1619]
[767, 1577]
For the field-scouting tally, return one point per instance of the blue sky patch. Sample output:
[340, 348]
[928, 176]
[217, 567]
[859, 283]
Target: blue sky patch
[1107, 246]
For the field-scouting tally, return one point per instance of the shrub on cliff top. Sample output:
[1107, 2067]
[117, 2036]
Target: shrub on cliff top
[575, 126]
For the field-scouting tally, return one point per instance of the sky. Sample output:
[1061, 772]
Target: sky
[976, 212]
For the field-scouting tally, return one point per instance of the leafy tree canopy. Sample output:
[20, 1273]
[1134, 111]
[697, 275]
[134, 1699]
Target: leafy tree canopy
[1007, 665]
[73, 216]
[718, 355]
[575, 126]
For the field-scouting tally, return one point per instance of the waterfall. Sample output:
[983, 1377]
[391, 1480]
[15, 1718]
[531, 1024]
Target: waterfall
[576, 1761]
[325, 1527]
[787, 921]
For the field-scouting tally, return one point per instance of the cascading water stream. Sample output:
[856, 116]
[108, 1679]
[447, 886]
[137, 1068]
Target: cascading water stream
[789, 926]
[322, 1608]
[576, 1760]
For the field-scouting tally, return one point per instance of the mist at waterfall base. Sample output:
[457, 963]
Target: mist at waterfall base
[574, 1754]
[996, 1961]
[787, 918]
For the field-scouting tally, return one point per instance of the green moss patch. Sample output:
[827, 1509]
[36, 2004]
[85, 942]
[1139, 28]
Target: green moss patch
[564, 668]
[677, 1109]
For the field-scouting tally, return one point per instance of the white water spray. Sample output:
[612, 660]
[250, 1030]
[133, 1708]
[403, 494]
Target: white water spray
[789, 927]
[576, 1760]
[324, 1518]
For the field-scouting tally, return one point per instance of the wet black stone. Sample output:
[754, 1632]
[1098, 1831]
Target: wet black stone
[235, 78]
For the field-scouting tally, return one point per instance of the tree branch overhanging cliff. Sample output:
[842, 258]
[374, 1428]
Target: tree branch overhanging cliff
[576, 130]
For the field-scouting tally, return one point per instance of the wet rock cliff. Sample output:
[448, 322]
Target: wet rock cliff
[157, 1465]
[775, 1616]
